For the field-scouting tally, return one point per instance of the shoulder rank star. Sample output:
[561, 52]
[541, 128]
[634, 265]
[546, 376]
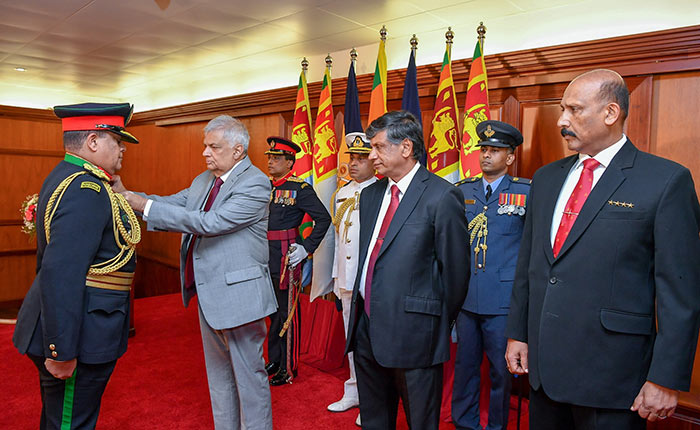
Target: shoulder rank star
[511, 204]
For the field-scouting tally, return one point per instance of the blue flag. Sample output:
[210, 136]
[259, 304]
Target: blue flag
[352, 103]
[410, 101]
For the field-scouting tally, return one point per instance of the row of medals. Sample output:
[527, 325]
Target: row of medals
[511, 210]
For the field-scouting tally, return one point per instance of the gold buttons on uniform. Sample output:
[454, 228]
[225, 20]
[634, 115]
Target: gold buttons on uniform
[486, 207]
[54, 354]
[348, 257]
[52, 347]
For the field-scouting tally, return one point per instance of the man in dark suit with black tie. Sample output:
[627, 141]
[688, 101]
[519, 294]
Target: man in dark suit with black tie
[605, 310]
[411, 281]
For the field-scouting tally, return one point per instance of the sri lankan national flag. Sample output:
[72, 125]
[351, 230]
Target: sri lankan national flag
[325, 154]
[443, 147]
[301, 132]
[476, 109]
[377, 100]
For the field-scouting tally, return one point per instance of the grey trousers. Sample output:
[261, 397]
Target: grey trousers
[238, 384]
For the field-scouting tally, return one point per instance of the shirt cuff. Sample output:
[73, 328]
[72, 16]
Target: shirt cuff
[147, 209]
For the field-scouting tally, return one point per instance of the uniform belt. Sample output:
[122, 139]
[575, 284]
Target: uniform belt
[119, 281]
[290, 234]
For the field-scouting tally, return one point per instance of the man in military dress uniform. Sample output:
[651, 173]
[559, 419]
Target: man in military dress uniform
[495, 209]
[74, 321]
[346, 220]
[291, 198]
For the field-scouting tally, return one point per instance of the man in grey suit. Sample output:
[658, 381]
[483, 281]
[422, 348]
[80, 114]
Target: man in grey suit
[224, 260]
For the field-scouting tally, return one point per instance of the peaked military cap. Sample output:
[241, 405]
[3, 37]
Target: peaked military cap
[281, 146]
[357, 143]
[112, 117]
[498, 134]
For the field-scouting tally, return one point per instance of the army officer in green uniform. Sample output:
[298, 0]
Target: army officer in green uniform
[74, 321]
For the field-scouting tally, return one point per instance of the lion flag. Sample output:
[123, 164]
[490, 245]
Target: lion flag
[476, 109]
[443, 146]
[325, 158]
[301, 132]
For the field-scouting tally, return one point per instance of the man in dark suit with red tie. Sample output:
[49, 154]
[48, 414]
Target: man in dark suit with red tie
[412, 279]
[605, 311]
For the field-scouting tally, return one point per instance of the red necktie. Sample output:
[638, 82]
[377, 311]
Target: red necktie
[575, 203]
[378, 244]
[189, 266]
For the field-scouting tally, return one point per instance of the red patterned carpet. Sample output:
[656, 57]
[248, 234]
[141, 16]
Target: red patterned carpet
[160, 383]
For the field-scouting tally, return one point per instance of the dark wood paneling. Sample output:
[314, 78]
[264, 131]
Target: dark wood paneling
[154, 278]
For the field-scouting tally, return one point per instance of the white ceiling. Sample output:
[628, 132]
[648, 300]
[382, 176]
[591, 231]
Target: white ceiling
[131, 50]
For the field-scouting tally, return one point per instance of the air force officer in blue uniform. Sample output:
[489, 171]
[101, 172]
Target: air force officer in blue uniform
[495, 207]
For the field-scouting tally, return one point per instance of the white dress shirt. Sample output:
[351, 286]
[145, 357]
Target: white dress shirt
[604, 157]
[403, 186]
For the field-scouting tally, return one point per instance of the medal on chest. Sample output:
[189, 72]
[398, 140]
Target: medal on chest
[285, 197]
[511, 204]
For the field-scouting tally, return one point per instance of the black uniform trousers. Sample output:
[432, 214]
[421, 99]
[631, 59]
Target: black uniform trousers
[73, 403]
[548, 414]
[380, 388]
[276, 345]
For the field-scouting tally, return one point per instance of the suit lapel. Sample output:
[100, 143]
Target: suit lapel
[551, 194]
[408, 203]
[478, 191]
[199, 190]
[230, 182]
[612, 178]
[370, 202]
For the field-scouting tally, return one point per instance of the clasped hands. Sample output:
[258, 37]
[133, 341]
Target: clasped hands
[136, 202]
[654, 402]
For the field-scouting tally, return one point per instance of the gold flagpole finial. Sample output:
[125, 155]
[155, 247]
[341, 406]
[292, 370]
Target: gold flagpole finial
[414, 43]
[304, 65]
[481, 31]
[353, 55]
[329, 61]
[383, 33]
[449, 35]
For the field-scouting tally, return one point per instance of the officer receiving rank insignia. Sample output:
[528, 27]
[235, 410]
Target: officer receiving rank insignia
[346, 219]
[74, 321]
[290, 199]
[495, 207]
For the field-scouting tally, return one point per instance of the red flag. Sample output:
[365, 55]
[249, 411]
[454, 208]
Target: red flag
[476, 109]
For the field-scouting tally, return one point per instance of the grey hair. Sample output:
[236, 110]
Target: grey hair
[74, 140]
[235, 132]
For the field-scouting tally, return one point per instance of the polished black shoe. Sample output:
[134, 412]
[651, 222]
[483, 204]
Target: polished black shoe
[272, 367]
[281, 378]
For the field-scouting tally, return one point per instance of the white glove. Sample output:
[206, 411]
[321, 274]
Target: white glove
[297, 254]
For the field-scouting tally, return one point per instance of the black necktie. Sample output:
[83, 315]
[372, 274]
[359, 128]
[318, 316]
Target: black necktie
[489, 191]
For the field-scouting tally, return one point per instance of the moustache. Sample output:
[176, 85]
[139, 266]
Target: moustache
[566, 132]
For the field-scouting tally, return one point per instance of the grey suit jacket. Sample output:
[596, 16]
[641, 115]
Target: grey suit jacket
[230, 254]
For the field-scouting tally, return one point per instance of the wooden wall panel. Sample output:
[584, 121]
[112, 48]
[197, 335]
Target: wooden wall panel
[674, 121]
[542, 142]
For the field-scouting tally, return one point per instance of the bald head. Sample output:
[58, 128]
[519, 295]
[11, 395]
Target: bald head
[611, 88]
[594, 108]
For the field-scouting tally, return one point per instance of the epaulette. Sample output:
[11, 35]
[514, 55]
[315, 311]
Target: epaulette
[96, 172]
[346, 184]
[518, 180]
[468, 180]
[298, 180]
